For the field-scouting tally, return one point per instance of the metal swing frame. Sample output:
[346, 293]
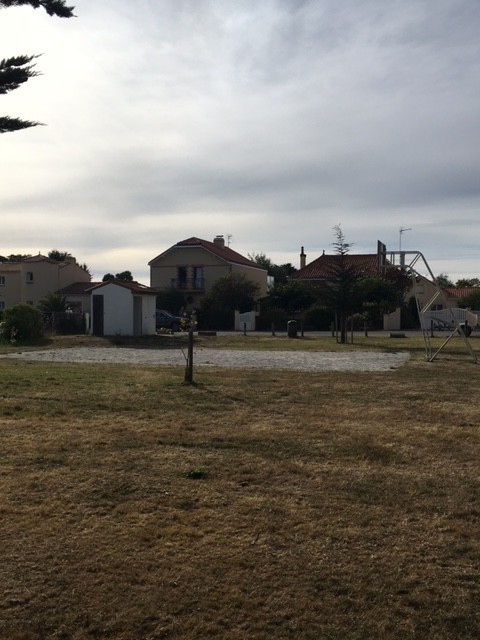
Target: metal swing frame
[412, 262]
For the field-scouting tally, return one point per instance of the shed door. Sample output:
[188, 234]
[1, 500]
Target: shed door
[97, 309]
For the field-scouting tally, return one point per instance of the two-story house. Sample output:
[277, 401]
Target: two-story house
[31, 279]
[194, 265]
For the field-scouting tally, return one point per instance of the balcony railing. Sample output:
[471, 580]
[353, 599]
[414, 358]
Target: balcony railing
[190, 284]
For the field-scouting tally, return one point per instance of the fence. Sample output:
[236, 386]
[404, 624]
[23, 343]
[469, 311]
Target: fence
[65, 323]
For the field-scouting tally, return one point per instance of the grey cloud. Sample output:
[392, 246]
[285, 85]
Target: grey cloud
[294, 115]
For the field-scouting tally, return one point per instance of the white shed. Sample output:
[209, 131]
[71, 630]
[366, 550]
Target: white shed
[123, 308]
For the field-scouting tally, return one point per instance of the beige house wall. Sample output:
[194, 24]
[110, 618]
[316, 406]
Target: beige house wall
[70, 273]
[425, 290]
[45, 280]
[255, 275]
[10, 291]
[30, 282]
[164, 274]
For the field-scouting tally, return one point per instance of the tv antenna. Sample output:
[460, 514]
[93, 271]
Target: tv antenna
[229, 239]
[402, 230]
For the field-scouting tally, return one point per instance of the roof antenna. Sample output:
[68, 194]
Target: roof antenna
[401, 231]
[229, 239]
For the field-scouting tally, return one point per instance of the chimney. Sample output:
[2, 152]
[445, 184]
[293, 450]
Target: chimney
[303, 259]
[219, 241]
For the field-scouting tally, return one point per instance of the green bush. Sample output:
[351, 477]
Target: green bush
[272, 315]
[216, 317]
[318, 318]
[21, 322]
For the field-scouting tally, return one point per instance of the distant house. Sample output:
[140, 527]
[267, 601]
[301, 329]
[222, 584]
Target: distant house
[114, 307]
[194, 265]
[320, 271]
[454, 295]
[31, 279]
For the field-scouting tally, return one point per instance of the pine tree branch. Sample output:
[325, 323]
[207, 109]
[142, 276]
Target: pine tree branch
[15, 71]
[52, 7]
[8, 124]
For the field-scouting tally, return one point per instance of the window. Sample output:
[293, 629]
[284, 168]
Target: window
[198, 277]
[29, 277]
[2, 281]
[2, 304]
[182, 277]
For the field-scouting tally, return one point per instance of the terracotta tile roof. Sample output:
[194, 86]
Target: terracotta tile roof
[453, 292]
[40, 258]
[323, 268]
[10, 266]
[31, 260]
[225, 253]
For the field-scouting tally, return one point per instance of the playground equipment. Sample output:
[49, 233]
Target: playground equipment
[433, 306]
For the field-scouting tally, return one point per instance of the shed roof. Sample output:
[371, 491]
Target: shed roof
[135, 287]
[79, 288]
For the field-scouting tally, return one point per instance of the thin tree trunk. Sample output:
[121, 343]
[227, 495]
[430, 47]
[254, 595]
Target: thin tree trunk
[189, 367]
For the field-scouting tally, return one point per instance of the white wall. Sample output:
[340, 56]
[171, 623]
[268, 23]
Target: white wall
[242, 319]
[148, 309]
[117, 310]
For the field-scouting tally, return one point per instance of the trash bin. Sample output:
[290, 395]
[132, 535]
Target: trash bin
[292, 328]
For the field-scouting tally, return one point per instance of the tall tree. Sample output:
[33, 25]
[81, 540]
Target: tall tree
[230, 293]
[59, 256]
[279, 272]
[124, 275]
[471, 301]
[341, 294]
[18, 257]
[467, 283]
[292, 296]
[17, 70]
[443, 281]
[378, 296]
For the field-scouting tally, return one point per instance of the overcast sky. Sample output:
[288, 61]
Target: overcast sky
[269, 121]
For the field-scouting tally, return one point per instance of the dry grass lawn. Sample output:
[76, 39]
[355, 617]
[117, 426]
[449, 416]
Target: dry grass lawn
[251, 505]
